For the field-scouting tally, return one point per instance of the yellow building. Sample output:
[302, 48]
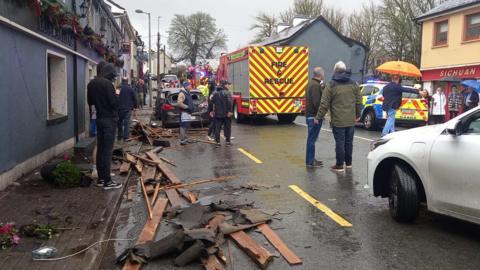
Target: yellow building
[450, 44]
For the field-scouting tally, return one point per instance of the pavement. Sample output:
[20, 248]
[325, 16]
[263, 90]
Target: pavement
[328, 219]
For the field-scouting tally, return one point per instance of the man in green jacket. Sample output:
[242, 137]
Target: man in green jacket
[342, 98]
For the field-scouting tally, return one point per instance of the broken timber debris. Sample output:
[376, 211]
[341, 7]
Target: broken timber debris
[275, 240]
[258, 253]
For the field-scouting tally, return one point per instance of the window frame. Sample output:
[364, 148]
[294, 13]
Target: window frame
[436, 23]
[466, 38]
[63, 117]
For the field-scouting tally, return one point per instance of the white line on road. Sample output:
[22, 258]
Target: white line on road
[329, 130]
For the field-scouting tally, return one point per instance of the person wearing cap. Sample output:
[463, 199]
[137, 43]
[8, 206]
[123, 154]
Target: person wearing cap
[392, 94]
[222, 111]
[127, 103]
[185, 104]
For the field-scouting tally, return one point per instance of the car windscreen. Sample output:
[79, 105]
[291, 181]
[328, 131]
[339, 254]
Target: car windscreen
[197, 98]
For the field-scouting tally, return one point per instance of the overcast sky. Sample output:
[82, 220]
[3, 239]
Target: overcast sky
[234, 16]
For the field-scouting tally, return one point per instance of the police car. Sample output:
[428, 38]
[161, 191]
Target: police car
[413, 110]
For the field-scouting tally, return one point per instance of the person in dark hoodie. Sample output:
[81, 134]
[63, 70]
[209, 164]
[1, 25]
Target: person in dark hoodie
[392, 99]
[222, 112]
[212, 86]
[342, 98]
[128, 103]
[313, 98]
[101, 94]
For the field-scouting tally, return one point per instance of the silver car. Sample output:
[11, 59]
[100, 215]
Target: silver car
[437, 165]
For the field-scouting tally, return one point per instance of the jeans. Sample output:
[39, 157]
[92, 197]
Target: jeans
[105, 140]
[124, 118]
[313, 132]
[226, 122]
[93, 127]
[343, 144]
[390, 124]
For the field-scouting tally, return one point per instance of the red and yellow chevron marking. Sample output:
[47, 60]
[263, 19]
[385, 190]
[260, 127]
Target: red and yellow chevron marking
[274, 106]
[278, 72]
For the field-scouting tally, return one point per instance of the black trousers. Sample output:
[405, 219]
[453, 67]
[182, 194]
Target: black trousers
[343, 144]
[226, 123]
[106, 128]
[437, 119]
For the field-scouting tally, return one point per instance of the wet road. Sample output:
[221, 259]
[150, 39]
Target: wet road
[374, 241]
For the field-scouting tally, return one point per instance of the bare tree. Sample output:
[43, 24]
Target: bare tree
[305, 8]
[365, 25]
[402, 40]
[336, 17]
[195, 36]
[266, 24]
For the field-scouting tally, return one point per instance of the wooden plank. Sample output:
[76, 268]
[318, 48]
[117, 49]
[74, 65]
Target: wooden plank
[275, 240]
[130, 192]
[258, 253]
[212, 263]
[139, 166]
[148, 172]
[125, 167]
[189, 196]
[155, 193]
[164, 168]
[174, 198]
[149, 230]
[145, 197]
[194, 183]
[130, 158]
[168, 161]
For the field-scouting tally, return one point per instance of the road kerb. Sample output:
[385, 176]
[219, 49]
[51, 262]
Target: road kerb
[252, 157]
[337, 218]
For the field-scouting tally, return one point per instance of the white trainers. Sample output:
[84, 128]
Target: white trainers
[210, 139]
[94, 174]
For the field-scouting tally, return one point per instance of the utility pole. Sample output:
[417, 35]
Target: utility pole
[158, 53]
[149, 55]
[164, 62]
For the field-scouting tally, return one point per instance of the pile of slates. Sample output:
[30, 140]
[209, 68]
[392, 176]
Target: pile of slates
[157, 136]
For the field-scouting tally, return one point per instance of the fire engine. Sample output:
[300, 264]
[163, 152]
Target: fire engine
[266, 80]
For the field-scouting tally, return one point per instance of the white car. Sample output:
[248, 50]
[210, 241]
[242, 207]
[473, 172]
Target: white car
[437, 165]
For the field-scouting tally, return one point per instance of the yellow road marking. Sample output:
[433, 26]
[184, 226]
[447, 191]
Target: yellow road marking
[341, 221]
[252, 157]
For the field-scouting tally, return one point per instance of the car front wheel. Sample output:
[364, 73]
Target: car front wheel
[369, 121]
[403, 198]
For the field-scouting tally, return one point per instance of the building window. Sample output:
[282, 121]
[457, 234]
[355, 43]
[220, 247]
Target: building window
[472, 26]
[441, 33]
[56, 86]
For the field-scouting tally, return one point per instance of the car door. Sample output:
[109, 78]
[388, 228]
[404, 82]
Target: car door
[454, 169]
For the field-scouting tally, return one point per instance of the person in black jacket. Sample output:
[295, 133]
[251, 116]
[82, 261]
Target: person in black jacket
[211, 127]
[392, 99]
[101, 94]
[471, 99]
[128, 103]
[222, 111]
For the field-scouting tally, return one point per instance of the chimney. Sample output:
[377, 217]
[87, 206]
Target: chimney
[282, 26]
[299, 20]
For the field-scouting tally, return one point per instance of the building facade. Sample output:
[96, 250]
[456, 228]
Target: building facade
[326, 46]
[48, 54]
[450, 44]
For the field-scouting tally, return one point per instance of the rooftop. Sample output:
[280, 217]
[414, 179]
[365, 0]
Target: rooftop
[448, 6]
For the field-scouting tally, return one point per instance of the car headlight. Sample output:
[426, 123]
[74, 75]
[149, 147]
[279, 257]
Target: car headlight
[375, 144]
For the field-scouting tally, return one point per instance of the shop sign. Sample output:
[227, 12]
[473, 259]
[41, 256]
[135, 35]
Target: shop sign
[470, 72]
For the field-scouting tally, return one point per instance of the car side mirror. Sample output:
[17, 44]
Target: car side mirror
[454, 128]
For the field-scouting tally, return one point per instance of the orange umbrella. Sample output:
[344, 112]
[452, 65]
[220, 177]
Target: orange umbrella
[400, 68]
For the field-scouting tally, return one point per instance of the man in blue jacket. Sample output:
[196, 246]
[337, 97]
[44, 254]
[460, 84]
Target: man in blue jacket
[127, 104]
[392, 99]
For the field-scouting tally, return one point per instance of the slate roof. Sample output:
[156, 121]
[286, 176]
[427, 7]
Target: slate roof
[448, 6]
[288, 34]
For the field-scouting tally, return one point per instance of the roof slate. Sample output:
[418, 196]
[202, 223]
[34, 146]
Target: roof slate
[448, 6]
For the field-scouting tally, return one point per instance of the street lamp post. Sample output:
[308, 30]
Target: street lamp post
[149, 58]
[158, 52]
